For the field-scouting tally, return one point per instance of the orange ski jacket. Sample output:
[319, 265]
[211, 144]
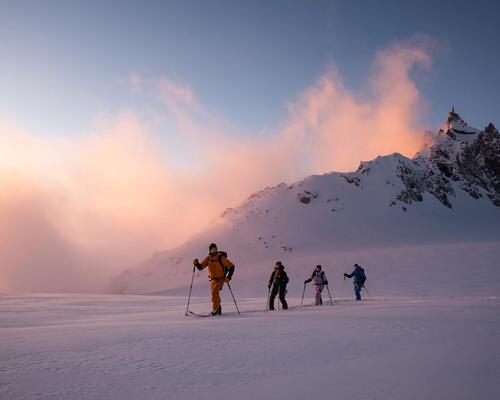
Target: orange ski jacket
[217, 265]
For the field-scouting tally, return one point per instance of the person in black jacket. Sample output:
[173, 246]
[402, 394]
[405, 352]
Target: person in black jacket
[278, 282]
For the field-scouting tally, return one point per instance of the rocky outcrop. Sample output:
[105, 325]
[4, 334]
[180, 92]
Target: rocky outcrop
[418, 179]
[478, 165]
[306, 196]
[465, 156]
[459, 159]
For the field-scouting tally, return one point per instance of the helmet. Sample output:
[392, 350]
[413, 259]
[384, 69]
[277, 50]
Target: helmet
[212, 246]
[318, 267]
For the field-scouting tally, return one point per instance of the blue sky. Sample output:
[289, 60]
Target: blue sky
[66, 63]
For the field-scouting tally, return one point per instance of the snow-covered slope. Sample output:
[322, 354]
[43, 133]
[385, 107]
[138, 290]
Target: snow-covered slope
[407, 220]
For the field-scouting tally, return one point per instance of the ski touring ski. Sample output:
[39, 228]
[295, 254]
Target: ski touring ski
[198, 315]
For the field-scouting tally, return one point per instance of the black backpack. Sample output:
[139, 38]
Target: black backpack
[362, 276]
[225, 270]
[219, 257]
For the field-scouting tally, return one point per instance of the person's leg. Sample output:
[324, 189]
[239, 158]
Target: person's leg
[215, 287]
[274, 292]
[357, 292]
[319, 289]
[282, 298]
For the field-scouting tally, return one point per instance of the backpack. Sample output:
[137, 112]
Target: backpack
[219, 259]
[321, 275]
[281, 279]
[362, 276]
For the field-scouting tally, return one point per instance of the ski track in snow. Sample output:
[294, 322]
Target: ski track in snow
[139, 347]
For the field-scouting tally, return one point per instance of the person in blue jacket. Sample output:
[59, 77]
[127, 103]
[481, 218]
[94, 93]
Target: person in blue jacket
[359, 280]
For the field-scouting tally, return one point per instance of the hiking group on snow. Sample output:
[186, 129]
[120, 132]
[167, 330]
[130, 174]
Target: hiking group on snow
[221, 269]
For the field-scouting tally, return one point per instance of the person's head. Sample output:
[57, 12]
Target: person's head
[278, 265]
[318, 268]
[212, 249]
[356, 266]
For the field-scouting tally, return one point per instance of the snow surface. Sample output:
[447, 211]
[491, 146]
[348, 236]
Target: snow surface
[143, 347]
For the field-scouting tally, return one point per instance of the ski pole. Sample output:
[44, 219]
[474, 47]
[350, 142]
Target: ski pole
[331, 301]
[229, 286]
[190, 289]
[343, 284]
[366, 290]
[268, 296]
[303, 292]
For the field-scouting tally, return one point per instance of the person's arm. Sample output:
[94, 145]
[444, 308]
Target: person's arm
[204, 263]
[228, 267]
[325, 281]
[311, 278]
[349, 275]
[201, 265]
[271, 279]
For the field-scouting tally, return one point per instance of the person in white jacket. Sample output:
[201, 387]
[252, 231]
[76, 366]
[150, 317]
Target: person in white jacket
[319, 281]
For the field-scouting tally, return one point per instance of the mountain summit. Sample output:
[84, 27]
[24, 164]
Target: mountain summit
[466, 156]
[391, 211]
[457, 126]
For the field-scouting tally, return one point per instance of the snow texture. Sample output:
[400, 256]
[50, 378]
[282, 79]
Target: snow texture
[138, 347]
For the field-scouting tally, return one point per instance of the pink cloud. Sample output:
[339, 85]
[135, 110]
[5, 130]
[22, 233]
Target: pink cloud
[338, 128]
[76, 211]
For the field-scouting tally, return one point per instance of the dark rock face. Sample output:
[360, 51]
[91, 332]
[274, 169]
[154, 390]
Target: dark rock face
[478, 165]
[306, 196]
[469, 161]
[352, 180]
[472, 160]
[413, 182]
[304, 199]
[418, 180]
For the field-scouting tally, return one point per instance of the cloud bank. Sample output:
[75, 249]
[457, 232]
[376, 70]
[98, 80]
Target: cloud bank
[76, 211]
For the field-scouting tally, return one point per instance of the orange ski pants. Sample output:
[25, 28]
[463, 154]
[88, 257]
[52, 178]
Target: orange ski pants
[215, 288]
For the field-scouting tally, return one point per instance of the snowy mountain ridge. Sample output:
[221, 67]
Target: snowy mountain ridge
[448, 194]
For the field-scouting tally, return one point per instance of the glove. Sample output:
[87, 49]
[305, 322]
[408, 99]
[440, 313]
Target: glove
[326, 283]
[345, 274]
[305, 282]
[197, 264]
[227, 279]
